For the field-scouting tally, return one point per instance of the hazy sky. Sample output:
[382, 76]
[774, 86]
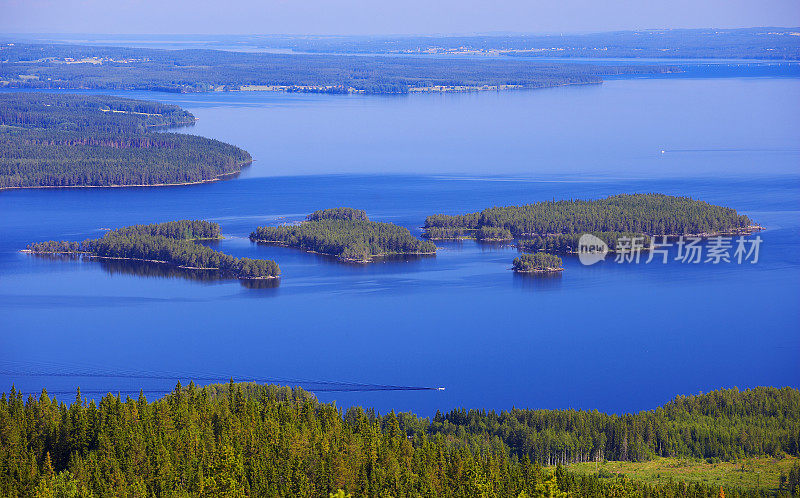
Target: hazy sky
[385, 17]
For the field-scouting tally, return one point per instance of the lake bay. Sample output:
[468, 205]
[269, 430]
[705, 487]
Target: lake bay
[615, 337]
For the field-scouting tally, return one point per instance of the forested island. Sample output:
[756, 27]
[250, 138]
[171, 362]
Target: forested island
[651, 214]
[346, 233]
[538, 263]
[245, 439]
[86, 67]
[555, 226]
[171, 243]
[61, 140]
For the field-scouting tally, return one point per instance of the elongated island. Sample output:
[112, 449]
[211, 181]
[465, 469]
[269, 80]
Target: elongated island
[554, 227]
[347, 234]
[172, 243]
[61, 140]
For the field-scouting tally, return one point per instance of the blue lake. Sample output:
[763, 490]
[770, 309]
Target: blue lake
[616, 337]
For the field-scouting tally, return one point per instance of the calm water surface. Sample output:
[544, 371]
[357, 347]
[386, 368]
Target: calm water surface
[612, 337]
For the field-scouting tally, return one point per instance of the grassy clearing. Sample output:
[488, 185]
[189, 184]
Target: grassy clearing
[754, 473]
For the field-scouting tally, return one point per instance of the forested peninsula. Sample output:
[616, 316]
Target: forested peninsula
[346, 233]
[86, 67]
[61, 140]
[245, 439]
[171, 243]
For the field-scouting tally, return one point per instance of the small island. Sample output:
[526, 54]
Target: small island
[59, 140]
[172, 243]
[347, 234]
[539, 263]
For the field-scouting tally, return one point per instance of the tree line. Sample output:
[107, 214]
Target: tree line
[347, 234]
[651, 214]
[722, 425]
[59, 140]
[181, 230]
[172, 242]
[340, 213]
[255, 440]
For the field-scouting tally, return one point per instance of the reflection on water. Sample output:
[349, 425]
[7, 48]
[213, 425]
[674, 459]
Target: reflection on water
[260, 283]
[163, 270]
[537, 282]
[155, 270]
[402, 258]
[56, 256]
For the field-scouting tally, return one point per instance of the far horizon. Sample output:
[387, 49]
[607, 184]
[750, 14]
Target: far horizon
[398, 35]
[357, 17]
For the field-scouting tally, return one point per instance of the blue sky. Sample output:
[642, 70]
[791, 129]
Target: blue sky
[384, 17]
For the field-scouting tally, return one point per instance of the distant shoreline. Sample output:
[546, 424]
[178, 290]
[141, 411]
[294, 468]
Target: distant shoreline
[414, 89]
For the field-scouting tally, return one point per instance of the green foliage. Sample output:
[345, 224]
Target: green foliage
[347, 234]
[652, 214]
[341, 213]
[179, 230]
[493, 233]
[60, 140]
[539, 262]
[252, 440]
[54, 247]
[724, 424]
[172, 242]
